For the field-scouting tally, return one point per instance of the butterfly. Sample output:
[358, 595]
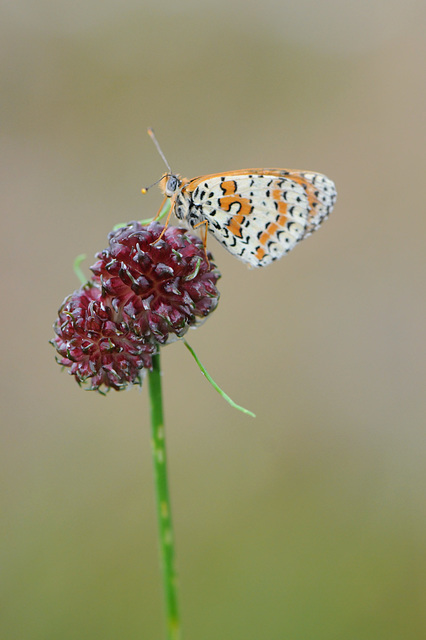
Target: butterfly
[258, 215]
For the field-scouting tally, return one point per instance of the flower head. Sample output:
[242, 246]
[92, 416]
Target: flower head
[144, 293]
[95, 346]
[160, 288]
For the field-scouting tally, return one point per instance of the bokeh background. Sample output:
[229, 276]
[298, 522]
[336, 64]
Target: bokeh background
[308, 522]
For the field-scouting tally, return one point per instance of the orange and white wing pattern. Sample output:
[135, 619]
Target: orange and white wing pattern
[257, 214]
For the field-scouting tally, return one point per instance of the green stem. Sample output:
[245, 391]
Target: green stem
[167, 551]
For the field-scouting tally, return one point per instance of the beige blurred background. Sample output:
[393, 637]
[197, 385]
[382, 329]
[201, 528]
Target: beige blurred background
[308, 522]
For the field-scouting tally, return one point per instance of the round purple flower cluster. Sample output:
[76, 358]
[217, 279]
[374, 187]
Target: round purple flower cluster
[144, 293]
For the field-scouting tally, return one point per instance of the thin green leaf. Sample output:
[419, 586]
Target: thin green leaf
[164, 211]
[216, 386]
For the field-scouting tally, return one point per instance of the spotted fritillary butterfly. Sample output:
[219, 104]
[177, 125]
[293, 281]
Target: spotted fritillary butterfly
[259, 215]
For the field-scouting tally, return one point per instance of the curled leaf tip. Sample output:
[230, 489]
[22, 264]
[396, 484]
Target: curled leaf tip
[77, 268]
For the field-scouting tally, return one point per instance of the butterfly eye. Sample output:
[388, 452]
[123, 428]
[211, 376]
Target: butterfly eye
[172, 185]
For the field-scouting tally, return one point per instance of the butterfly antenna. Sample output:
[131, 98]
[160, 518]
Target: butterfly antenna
[145, 189]
[155, 141]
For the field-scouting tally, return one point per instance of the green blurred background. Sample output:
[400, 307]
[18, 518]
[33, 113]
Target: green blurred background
[308, 522]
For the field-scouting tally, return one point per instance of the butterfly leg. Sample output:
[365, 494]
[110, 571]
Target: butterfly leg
[204, 236]
[157, 215]
[166, 224]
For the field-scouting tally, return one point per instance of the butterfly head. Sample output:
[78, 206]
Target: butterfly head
[170, 183]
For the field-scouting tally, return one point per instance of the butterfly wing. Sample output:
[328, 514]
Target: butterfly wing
[259, 215]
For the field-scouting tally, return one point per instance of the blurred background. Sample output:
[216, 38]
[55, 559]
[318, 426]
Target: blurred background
[309, 521]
